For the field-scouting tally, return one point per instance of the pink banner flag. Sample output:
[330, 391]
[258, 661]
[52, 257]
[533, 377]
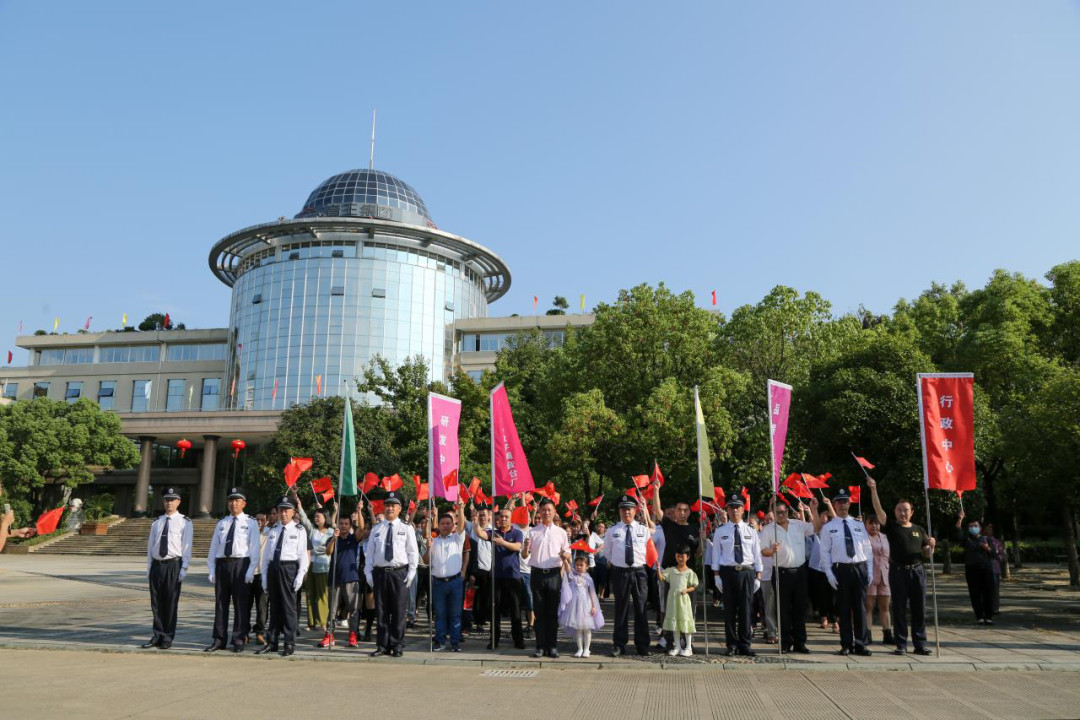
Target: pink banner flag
[779, 405]
[444, 414]
[509, 466]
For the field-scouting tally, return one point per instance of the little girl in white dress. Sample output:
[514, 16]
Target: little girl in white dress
[579, 609]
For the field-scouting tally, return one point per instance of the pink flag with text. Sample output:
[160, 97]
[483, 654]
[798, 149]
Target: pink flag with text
[444, 414]
[779, 405]
[510, 469]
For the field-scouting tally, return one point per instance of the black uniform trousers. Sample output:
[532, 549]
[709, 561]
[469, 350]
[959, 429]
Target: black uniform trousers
[230, 588]
[851, 582]
[794, 592]
[908, 585]
[164, 598]
[980, 583]
[738, 604]
[391, 602]
[257, 599]
[280, 578]
[481, 597]
[546, 589]
[630, 586]
[508, 592]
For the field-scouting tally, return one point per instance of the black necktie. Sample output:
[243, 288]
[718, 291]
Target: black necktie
[738, 545]
[849, 542]
[629, 548]
[163, 542]
[388, 546]
[229, 538]
[280, 542]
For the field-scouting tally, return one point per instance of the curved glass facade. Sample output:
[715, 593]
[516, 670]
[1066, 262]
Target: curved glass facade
[367, 193]
[307, 314]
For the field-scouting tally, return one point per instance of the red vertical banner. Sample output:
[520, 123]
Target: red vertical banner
[947, 424]
[509, 468]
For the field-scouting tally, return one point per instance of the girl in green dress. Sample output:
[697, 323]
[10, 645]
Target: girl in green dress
[679, 619]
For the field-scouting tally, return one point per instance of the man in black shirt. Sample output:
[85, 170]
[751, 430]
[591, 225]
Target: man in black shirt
[908, 545]
[675, 532]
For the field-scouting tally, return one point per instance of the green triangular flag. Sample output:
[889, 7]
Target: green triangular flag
[348, 453]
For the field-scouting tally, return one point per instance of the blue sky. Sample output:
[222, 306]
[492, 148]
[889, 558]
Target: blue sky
[862, 150]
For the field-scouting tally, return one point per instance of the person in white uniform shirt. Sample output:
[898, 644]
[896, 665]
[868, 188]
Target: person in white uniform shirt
[625, 544]
[391, 557]
[737, 568]
[231, 562]
[785, 542]
[283, 566]
[168, 554]
[848, 561]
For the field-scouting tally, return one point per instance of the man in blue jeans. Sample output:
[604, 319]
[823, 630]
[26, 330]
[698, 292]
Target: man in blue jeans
[447, 558]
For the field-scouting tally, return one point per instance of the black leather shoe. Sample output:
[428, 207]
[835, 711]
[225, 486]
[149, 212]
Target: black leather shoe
[843, 651]
[287, 651]
[901, 651]
[519, 646]
[748, 653]
[396, 652]
[215, 646]
[538, 654]
[923, 651]
[802, 649]
[616, 651]
[238, 648]
[164, 646]
[267, 648]
[378, 652]
[152, 643]
[553, 654]
[860, 650]
[730, 652]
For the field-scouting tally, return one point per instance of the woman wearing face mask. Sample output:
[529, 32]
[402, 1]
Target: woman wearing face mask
[978, 569]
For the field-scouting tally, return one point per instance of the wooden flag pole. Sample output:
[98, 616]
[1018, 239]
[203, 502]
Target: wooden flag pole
[929, 521]
[774, 481]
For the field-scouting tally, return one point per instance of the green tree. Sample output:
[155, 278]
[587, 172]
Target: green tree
[156, 321]
[44, 440]
[558, 306]
[587, 443]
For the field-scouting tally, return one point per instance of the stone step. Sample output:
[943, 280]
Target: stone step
[127, 538]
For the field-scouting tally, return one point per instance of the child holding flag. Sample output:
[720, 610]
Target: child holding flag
[579, 608]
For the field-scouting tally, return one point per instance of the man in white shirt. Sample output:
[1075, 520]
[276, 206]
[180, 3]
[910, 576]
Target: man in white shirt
[391, 557]
[625, 545]
[547, 548]
[168, 554]
[784, 542]
[737, 568]
[283, 567]
[231, 562]
[848, 561]
[446, 558]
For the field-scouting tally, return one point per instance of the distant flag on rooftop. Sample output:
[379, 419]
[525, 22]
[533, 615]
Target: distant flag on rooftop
[583, 302]
[86, 325]
[8, 357]
[714, 298]
[167, 322]
[20, 327]
[318, 385]
[535, 301]
[123, 320]
[273, 395]
[56, 324]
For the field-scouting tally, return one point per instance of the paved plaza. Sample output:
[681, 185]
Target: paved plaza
[81, 619]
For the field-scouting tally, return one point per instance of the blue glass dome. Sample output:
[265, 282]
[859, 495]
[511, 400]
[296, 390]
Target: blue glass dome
[352, 193]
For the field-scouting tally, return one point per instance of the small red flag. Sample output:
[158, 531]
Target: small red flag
[167, 322]
[595, 501]
[815, 483]
[422, 493]
[582, 545]
[377, 507]
[548, 490]
[480, 497]
[412, 508]
[470, 598]
[856, 492]
[651, 556]
[714, 297]
[864, 462]
[632, 492]
[322, 484]
[49, 520]
[8, 357]
[642, 481]
[746, 498]
[535, 300]
[292, 474]
[572, 504]
[657, 476]
[451, 479]
[304, 463]
[371, 481]
[520, 516]
[393, 482]
[474, 488]
[719, 495]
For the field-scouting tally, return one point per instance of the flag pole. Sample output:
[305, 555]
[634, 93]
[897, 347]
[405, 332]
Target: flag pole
[776, 536]
[337, 512]
[431, 491]
[926, 494]
[491, 535]
[701, 519]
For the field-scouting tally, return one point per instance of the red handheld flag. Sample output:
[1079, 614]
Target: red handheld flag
[480, 497]
[572, 504]
[371, 481]
[377, 507]
[423, 493]
[651, 556]
[815, 483]
[548, 490]
[642, 481]
[520, 516]
[657, 476]
[864, 462]
[719, 495]
[412, 508]
[168, 323]
[474, 488]
[49, 520]
[583, 546]
[595, 501]
[451, 479]
[322, 484]
[302, 463]
[292, 474]
[394, 482]
[856, 493]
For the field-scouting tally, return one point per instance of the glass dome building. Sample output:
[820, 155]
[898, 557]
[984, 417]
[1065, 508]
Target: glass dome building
[362, 270]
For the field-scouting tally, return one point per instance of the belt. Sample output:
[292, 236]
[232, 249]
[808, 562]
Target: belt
[446, 579]
[738, 568]
[790, 570]
[852, 564]
[390, 568]
[170, 560]
[228, 559]
[632, 567]
[279, 563]
[911, 566]
[545, 571]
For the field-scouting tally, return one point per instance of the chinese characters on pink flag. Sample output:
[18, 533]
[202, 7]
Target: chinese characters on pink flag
[779, 405]
[509, 466]
[947, 418]
[444, 414]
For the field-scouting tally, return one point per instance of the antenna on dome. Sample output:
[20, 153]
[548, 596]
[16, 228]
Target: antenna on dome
[371, 159]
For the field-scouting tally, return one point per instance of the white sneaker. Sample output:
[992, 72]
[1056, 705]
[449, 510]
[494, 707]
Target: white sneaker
[686, 652]
[586, 653]
[673, 652]
[578, 653]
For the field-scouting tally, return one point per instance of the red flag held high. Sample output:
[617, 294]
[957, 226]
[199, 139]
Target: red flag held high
[322, 484]
[371, 481]
[548, 490]
[718, 495]
[864, 462]
[572, 504]
[303, 463]
[394, 482]
[595, 501]
[377, 507]
[746, 498]
[815, 483]
[451, 479]
[422, 493]
[794, 483]
[651, 556]
[412, 507]
[292, 474]
[480, 497]
[49, 520]
[474, 487]
[714, 297]
[583, 546]
[520, 516]
[642, 481]
[947, 416]
[657, 476]
[856, 493]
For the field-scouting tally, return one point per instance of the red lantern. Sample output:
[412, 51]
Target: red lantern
[237, 446]
[183, 446]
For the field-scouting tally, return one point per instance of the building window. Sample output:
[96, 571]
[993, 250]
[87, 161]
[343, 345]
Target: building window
[11, 390]
[210, 388]
[378, 292]
[51, 357]
[140, 395]
[337, 290]
[79, 356]
[257, 299]
[41, 389]
[74, 391]
[130, 353]
[174, 398]
[106, 396]
[337, 253]
[196, 352]
[475, 375]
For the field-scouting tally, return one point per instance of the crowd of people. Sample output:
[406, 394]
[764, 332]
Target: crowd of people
[771, 572]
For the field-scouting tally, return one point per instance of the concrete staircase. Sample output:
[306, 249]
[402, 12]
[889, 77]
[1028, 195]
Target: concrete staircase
[127, 537]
